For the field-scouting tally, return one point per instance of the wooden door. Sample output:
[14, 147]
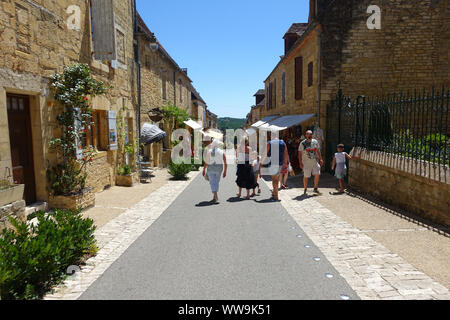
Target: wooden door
[21, 144]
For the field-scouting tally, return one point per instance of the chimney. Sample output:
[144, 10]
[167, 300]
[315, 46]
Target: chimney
[312, 10]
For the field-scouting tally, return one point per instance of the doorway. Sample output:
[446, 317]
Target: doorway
[21, 144]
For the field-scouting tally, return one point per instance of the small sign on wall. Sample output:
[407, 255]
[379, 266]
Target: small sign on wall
[112, 130]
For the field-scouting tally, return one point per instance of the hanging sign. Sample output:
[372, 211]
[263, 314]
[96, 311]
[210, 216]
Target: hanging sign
[77, 128]
[112, 130]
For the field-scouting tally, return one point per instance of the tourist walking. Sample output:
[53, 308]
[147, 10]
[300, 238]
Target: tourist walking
[310, 159]
[285, 174]
[274, 167]
[339, 162]
[215, 167]
[245, 176]
[256, 168]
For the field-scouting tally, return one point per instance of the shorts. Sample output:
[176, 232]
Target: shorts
[311, 170]
[341, 170]
[273, 170]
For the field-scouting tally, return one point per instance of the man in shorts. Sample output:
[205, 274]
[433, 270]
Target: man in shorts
[310, 159]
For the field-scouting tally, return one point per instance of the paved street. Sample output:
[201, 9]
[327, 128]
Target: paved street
[235, 250]
[173, 245]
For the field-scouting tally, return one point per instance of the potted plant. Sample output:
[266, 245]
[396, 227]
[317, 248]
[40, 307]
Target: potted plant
[67, 177]
[126, 176]
[10, 192]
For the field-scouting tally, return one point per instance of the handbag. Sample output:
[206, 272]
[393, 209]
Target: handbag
[206, 177]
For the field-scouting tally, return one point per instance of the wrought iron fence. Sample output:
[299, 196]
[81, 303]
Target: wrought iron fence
[413, 126]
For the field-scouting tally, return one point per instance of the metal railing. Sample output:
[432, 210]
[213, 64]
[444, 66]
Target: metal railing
[412, 126]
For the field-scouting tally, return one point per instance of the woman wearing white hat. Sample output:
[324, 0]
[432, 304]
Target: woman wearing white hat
[215, 167]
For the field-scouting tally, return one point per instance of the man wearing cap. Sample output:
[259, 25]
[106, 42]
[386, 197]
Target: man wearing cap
[310, 159]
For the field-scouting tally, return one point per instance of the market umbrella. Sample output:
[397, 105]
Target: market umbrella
[151, 134]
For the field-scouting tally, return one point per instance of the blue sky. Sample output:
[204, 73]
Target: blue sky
[229, 47]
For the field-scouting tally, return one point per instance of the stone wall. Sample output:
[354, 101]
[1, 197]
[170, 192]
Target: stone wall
[376, 174]
[410, 51]
[36, 43]
[14, 210]
[100, 175]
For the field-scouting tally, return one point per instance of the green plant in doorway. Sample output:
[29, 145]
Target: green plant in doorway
[73, 89]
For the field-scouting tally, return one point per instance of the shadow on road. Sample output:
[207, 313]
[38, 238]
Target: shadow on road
[236, 199]
[305, 197]
[205, 204]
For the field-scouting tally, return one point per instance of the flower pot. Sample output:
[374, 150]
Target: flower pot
[129, 180]
[12, 194]
[83, 200]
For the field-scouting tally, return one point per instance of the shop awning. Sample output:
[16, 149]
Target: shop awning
[264, 121]
[151, 134]
[194, 125]
[251, 131]
[213, 134]
[286, 122]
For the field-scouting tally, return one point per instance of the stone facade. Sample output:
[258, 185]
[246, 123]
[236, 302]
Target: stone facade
[37, 43]
[392, 180]
[15, 210]
[410, 51]
[308, 50]
[164, 83]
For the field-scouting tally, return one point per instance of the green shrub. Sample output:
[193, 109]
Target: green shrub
[179, 171]
[124, 170]
[35, 258]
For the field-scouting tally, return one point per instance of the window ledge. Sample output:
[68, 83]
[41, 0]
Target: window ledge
[100, 66]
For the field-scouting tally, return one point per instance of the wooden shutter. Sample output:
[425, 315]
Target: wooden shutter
[299, 78]
[310, 74]
[103, 30]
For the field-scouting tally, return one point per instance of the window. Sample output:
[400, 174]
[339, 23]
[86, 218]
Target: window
[164, 85]
[180, 83]
[120, 38]
[310, 74]
[94, 133]
[299, 78]
[147, 61]
[270, 104]
[274, 93]
[283, 88]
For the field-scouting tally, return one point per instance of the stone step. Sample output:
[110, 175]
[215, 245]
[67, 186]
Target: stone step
[38, 206]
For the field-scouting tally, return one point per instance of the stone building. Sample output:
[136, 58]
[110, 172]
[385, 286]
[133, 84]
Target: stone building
[163, 84]
[211, 121]
[39, 40]
[198, 109]
[343, 46]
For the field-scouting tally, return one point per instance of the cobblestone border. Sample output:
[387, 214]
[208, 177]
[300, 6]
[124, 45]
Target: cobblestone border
[114, 238]
[374, 272]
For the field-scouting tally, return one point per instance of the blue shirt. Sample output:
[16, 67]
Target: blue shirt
[281, 147]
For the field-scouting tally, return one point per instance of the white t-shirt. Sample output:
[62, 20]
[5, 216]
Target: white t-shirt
[309, 151]
[340, 157]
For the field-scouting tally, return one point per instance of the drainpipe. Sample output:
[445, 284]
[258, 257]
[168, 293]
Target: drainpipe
[139, 89]
[175, 88]
[319, 78]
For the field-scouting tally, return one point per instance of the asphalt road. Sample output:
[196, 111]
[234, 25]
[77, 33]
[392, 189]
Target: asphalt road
[237, 250]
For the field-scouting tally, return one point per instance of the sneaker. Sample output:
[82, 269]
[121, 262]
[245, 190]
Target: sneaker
[317, 191]
[305, 192]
